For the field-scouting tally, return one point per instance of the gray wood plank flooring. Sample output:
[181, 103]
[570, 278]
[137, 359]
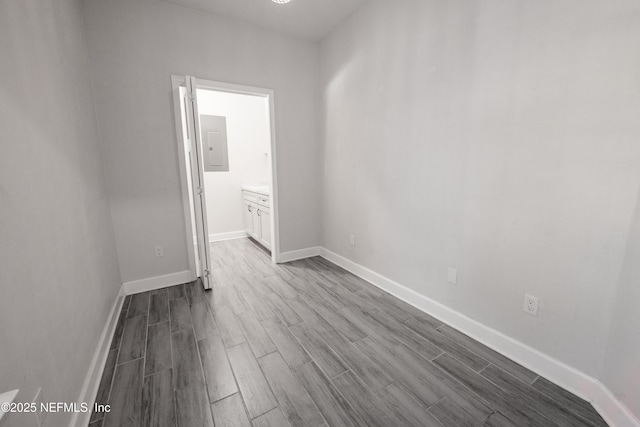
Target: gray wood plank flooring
[192, 407]
[270, 419]
[179, 314]
[158, 356]
[217, 370]
[368, 407]
[159, 309]
[105, 384]
[157, 400]
[320, 351]
[308, 344]
[126, 396]
[187, 369]
[133, 339]
[329, 401]
[406, 408]
[202, 321]
[230, 412]
[253, 386]
[449, 414]
[498, 420]
[297, 407]
[257, 337]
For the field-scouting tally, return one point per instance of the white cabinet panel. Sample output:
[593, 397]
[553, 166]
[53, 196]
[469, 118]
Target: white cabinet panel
[255, 233]
[257, 217]
[248, 218]
[265, 227]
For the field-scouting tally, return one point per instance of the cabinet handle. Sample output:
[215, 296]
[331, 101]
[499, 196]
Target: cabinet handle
[258, 212]
[249, 208]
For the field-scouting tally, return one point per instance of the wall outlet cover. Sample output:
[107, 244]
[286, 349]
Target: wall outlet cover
[352, 239]
[159, 250]
[531, 304]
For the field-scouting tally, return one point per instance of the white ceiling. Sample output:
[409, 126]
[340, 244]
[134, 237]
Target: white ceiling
[309, 19]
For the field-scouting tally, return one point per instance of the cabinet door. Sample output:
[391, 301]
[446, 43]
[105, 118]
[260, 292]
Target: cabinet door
[265, 227]
[255, 232]
[248, 218]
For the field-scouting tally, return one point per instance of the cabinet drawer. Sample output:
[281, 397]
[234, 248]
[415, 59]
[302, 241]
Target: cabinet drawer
[263, 200]
[250, 197]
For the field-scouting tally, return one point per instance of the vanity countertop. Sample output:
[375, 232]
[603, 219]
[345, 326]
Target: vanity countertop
[260, 189]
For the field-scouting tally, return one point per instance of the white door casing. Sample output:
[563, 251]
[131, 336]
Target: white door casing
[198, 204]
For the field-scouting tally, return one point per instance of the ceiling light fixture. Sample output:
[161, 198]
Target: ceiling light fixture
[281, 1]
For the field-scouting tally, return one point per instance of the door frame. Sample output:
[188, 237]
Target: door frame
[176, 82]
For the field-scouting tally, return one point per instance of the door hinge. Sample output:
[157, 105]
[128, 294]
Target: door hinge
[199, 190]
[206, 273]
[192, 96]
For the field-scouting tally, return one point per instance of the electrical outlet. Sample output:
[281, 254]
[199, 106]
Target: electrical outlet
[159, 251]
[352, 239]
[37, 400]
[531, 304]
[452, 276]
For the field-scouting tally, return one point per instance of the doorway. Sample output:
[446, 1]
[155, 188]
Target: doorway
[226, 149]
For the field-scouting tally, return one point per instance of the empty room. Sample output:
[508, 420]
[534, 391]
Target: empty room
[220, 213]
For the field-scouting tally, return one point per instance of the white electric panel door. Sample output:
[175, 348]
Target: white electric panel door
[214, 143]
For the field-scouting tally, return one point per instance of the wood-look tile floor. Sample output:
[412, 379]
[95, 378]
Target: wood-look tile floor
[309, 344]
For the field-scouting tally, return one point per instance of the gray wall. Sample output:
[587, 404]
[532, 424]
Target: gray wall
[58, 268]
[498, 138]
[621, 371]
[135, 46]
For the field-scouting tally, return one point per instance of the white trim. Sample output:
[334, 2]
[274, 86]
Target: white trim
[579, 383]
[299, 254]
[176, 83]
[232, 235]
[247, 90]
[614, 412]
[275, 198]
[157, 282]
[94, 374]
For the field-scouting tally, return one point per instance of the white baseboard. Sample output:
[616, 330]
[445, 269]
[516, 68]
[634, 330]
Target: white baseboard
[299, 254]
[614, 412]
[579, 383]
[94, 374]
[219, 237]
[157, 282]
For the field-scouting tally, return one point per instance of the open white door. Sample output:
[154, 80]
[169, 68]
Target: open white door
[197, 174]
[191, 163]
